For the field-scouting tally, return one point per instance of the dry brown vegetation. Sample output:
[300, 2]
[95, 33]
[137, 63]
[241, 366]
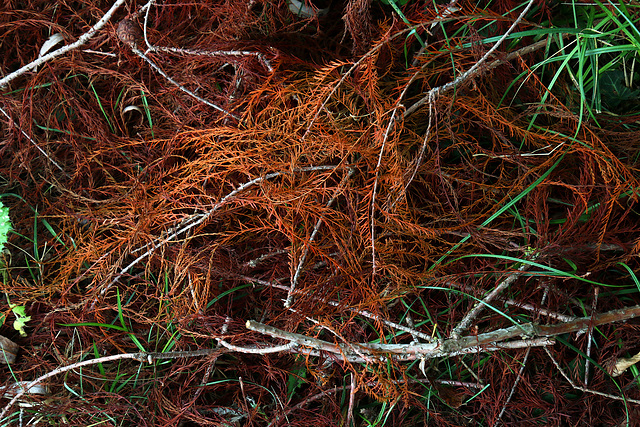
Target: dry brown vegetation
[322, 192]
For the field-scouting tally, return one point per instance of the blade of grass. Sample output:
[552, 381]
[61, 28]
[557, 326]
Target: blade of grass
[104, 113]
[631, 274]
[456, 291]
[147, 111]
[501, 210]
[545, 268]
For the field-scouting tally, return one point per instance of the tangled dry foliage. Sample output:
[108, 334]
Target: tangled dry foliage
[327, 195]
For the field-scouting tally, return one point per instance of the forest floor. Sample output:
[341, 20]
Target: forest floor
[284, 213]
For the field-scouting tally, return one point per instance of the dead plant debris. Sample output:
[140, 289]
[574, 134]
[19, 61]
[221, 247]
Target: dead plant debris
[320, 213]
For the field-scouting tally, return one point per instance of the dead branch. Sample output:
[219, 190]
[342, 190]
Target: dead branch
[58, 52]
[488, 341]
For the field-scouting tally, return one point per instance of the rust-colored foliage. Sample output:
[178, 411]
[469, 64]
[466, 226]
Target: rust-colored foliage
[339, 190]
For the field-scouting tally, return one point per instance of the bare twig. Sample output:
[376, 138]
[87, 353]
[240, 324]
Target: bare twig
[535, 335]
[361, 60]
[471, 71]
[587, 365]
[205, 379]
[383, 355]
[353, 348]
[352, 399]
[480, 305]
[412, 325]
[491, 341]
[82, 40]
[179, 86]
[293, 337]
[252, 349]
[197, 219]
[374, 192]
[515, 383]
[53, 162]
[431, 96]
[310, 399]
[529, 307]
[471, 371]
[430, 99]
[540, 310]
[257, 350]
[393, 325]
[141, 357]
[585, 389]
[256, 261]
[197, 52]
[303, 258]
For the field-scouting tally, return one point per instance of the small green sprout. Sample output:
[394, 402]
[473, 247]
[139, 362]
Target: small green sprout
[5, 225]
[21, 319]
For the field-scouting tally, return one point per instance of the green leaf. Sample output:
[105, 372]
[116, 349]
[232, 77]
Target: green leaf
[5, 225]
[21, 319]
[296, 379]
[613, 90]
